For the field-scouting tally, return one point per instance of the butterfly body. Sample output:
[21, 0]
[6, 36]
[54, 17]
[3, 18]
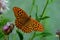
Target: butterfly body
[25, 22]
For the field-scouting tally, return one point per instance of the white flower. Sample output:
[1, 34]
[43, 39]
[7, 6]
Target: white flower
[3, 5]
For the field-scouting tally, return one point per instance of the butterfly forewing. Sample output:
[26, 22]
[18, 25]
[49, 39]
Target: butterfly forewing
[19, 13]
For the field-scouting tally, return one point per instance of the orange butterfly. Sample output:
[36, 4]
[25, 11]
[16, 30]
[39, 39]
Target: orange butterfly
[26, 23]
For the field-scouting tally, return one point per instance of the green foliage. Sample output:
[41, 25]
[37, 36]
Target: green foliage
[1, 34]
[42, 18]
[3, 21]
[44, 34]
[20, 35]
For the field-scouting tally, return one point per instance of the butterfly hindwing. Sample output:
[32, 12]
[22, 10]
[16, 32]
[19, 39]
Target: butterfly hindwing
[37, 26]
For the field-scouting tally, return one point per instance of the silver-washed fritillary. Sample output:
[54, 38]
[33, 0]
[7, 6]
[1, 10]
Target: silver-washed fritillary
[25, 22]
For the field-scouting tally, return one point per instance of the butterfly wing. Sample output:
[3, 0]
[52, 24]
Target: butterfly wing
[37, 26]
[24, 22]
[20, 14]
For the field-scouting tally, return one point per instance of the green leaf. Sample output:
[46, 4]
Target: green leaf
[44, 17]
[44, 34]
[20, 35]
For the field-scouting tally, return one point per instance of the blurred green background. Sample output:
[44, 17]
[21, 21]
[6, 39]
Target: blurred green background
[51, 24]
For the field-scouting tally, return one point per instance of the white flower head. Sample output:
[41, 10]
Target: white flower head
[3, 5]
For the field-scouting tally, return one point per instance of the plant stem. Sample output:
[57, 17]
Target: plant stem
[6, 37]
[33, 36]
[32, 6]
[44, 8]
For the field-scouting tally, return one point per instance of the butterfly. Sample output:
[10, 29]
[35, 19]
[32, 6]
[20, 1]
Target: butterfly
[25, 22]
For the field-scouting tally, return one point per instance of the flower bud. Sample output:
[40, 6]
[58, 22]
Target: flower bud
[7, 29]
